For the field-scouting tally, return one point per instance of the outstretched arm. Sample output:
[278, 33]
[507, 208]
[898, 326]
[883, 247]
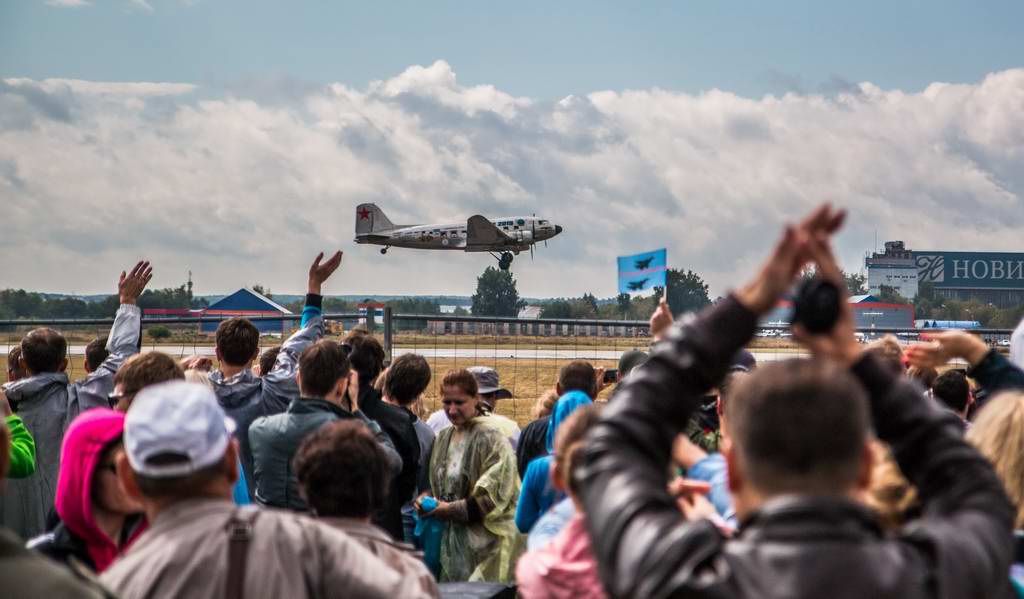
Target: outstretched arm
[123, 341]
[990, 368]
[279, 386]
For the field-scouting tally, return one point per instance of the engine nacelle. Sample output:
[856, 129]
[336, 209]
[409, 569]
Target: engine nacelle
[524, 236]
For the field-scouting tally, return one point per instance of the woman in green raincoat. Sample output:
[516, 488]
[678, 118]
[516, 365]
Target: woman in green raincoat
[474, 479]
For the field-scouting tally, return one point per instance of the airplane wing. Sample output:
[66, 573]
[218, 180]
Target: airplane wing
[480, 231]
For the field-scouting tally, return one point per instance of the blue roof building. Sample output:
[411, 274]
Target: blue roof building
[248, 303]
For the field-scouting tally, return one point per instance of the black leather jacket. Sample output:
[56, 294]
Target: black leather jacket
[813, 547]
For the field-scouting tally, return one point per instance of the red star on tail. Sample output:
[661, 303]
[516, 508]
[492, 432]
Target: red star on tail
[364, 214]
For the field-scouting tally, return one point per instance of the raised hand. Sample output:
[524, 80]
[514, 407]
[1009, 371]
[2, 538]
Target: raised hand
[840, 343]
[318, 273]
[661, 320]
[943, 347]
[788, 258]
[132, 284]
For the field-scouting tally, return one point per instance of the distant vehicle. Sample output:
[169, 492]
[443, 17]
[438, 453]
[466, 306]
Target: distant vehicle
[503, 238]
[1003, 343]
[637, 285]
[644, 264]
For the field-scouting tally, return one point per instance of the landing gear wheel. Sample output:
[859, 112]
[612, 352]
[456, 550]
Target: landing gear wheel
[505, 262]
[383, 250]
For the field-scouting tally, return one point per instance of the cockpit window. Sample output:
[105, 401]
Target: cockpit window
[520, 222]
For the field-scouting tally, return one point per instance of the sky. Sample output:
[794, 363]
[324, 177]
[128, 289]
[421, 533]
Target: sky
[234, 139]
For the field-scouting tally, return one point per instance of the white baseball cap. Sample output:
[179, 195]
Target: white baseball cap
[176, 418]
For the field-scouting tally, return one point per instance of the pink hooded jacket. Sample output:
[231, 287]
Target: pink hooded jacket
[84, 442]
[563, 569]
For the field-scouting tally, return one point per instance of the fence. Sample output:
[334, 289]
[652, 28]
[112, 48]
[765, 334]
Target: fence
[527, 353]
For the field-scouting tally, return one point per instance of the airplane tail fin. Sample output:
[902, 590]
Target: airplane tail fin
[370, 219]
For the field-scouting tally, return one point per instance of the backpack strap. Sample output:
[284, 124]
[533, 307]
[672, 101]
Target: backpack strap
[239, 529]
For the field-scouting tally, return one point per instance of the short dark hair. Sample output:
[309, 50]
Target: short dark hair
[460, 378]
[44, 350]
[268, 358]
[729, 382]
[407, 377]
[952, 390]
[14, 369]
[178, 487]
[141, 371]
[578, 375]
[366, 356]
[96, 352]
[342, 470]
[321, 366]
[238, 341]
[799, 426]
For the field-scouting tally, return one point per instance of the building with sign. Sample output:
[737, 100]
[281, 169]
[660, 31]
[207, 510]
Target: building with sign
[894, 268]
[995, 278]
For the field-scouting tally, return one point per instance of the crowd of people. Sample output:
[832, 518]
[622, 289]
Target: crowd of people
[312, 469]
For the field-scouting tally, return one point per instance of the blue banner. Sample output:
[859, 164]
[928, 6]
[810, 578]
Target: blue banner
[643, 271]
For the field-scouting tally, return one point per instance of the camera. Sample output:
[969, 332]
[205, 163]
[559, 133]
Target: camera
[817, 305]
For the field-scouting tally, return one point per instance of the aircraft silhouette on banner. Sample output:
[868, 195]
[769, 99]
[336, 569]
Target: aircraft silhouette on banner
[644, 264]
[637, 285]
[503, 238]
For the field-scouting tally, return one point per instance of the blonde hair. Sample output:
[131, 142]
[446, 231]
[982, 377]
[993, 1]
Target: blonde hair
[891, 495]
[998, 433]
[888, 349]
[545, 404]
[198, 376]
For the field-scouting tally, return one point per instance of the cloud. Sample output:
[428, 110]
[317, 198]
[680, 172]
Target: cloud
[244, 184]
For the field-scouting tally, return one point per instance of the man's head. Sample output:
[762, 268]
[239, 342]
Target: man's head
[342, 471]
[366, 356]
[95, 353]
[323, 370]
[577, 376]
[797, 427]
[406, 379]
[489, 386]
[953, 391]
[44, 350]
[630, 360]
[268, 358]
[725, 390]
[15, 370]
[238, 342]
[141, 371]
[178, 445]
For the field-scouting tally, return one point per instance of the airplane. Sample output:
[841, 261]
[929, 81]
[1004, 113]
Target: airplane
[637, 285]
[502, 238]
[643, 264]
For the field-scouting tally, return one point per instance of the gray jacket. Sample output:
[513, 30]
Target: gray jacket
[279, 385]
[42, 403]
[123, 343]
[245, 396]
[185, 553]
[275, 439]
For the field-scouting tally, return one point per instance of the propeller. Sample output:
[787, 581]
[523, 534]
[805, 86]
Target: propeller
[533, 236]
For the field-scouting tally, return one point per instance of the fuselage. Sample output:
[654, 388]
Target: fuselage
[524, 231]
